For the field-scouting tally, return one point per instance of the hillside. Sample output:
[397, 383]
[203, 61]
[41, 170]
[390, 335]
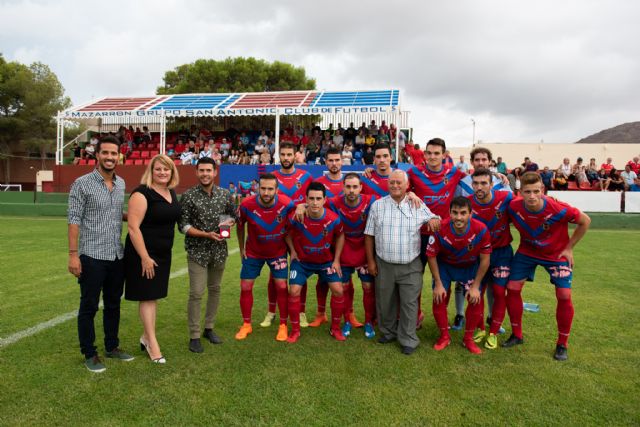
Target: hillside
[628, 133]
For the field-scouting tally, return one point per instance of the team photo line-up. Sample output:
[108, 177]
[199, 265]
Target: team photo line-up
[387, 225]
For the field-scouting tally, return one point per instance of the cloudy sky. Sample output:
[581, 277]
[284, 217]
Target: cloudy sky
[524, 71]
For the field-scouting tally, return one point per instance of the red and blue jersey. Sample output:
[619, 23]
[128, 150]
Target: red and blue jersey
[334, 188]
[436, 189]
[266, 226]
[314, 239]
[495, 216]
[354, 220]
[377, 185]
[460, 250]
[543, 234]
[294, 185]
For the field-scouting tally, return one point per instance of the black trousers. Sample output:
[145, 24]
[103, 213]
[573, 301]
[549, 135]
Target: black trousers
[106, 277]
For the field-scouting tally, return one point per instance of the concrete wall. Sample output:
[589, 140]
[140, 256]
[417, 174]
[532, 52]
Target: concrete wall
[552, 154]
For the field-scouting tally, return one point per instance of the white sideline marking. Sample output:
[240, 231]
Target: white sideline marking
[13, 338]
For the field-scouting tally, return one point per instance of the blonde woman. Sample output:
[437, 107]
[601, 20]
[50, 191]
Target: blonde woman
[152, 215]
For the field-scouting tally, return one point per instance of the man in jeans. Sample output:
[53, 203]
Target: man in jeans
[206, 246]
[95, 251]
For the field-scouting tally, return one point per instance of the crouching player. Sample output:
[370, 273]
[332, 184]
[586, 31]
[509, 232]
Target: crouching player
[459, 252]
[544, 240]
[490, 207]
[315, 245]
[265, 215]
[353, 210]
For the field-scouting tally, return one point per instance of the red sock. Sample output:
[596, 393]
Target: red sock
[246, 299]
[499, 307]
[564, 315]
[473, 312]
[303, 299]
[294, 313]
[514, 307]
[337, 308]
[283, 294]
[369, 303]
[441, 317]
[348, 308]
[272, 294]
[322, 290]
[480, 321]
[347, 292]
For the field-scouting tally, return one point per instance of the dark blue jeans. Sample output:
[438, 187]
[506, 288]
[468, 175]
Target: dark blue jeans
[106, 277]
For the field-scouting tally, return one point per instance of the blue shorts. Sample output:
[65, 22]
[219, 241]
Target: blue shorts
[251, 267]
[462, 275]
[524, 267]
[301, 271]
[363, 275]
[500, 266]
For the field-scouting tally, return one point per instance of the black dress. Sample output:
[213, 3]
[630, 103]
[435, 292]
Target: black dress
[157, 229]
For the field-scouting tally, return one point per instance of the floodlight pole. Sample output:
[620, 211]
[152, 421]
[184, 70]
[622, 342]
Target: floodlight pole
[473, 139]
[276, 154]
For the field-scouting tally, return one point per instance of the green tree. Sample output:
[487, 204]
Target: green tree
[235, 75]
[30, 97]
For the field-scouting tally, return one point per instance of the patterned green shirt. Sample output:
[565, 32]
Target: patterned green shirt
[203, 211]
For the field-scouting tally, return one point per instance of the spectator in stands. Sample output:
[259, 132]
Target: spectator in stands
[193, 147]
[603, 178]
[565, 169]
[300, 158]
[128, 137]
[560, 182]
[206, 151]
[146, 135]
[608, 166]
[89, 151]
[351, 133]
[383, 136]
[265, 158]
[225, 147]
[592, 171]
[462, 165]
[629, 177]
[635, 164]
[514, 179]
[271, 147]
[360, 140]
[338, 139]
[304, 140]
[368, 155]
[330, 130]
[616, 183]
[364, 128]
[502, 166]
[493, 166]
[76, 151]
[234, 157]
[187, 157]
[216, 156]
[416, 155]
[204, 134]
[299, 132]
[373, 128]
[447, 160]
[347, 155]
[547, 176]
[369, 141]
[529, 166]
[383, 127]
[260, 146]
[579, 172]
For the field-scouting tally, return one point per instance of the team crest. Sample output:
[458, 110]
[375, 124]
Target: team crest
[363, 216]
[279, 218]
[545, 226]
[498, 214]
[445, 180]
[470, 247]
[325, 232]
[298, 184]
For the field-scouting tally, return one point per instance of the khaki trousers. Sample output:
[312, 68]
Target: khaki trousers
[199, 277]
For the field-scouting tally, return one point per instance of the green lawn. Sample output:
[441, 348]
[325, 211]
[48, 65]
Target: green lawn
[317, 381]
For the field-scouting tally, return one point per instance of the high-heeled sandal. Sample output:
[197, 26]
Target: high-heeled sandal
[144, 346]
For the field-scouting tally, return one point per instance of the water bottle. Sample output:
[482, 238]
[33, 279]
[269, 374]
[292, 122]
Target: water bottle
[529, 306]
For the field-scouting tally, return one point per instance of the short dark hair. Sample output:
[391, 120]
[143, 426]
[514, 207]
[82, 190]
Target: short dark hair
[333, 150]
[479, 150]
[287, 145]
[108, 139]
[352, 175]
[268, 176]
[382, 146]
[207, 161]
[438, 142]
[460, 202]
[317, 186]
[481, 172]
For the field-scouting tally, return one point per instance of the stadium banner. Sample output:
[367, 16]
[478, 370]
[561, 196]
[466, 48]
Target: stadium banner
[632, 202]
[590, 201]
[231, 112]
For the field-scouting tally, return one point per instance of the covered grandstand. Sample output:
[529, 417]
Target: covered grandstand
[157, 111]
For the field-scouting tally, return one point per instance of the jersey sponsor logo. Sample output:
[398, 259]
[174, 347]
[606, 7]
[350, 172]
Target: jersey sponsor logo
[561, 271]
[432, 240]
[279, 264]
[501, 272]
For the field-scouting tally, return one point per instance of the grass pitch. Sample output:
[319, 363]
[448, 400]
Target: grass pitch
[317, 381]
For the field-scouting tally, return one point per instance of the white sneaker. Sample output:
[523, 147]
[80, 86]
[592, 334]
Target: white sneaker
[268, 319]
[303, 320]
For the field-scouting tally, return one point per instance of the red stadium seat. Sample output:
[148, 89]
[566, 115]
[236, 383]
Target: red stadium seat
[177, 162]
[147, 161]
[153, 153]
[82, 162]
[572, 186]
[135, 155]
[585, 186]
[142, 146]
[144, 155]
[151, 146]
[138, 162]
[129, 162]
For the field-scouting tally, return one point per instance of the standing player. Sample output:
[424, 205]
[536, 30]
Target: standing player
[376, 181]
[490, 207]
[266, 218]
[544, 240]
[293, 183]
[480, 158]
[460, 252]
[315, 245]
[353, 209]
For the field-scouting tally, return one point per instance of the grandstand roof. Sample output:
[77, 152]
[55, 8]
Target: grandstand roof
[241, 104]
